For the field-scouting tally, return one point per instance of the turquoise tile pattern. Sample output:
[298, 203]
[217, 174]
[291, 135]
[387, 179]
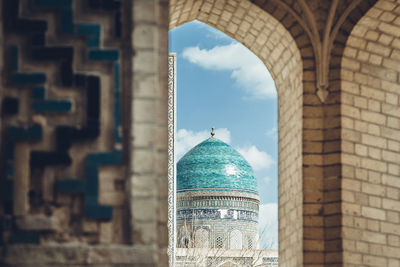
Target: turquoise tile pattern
[215, 165]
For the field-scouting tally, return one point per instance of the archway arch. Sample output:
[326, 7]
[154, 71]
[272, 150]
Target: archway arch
[267, 38]
[235, 239]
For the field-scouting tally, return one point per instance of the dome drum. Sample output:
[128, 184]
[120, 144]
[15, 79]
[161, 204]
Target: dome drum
[203, 234]
[217, 198]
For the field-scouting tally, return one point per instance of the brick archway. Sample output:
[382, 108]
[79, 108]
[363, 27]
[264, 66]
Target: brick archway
[370, 78]
[267, 38]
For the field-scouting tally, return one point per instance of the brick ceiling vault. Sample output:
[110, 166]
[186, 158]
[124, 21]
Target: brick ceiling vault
[260, 32]
[318, 25]
[320, 29]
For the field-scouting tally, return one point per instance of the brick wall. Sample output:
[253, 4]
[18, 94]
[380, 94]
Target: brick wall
[148, 164]
[370, 112]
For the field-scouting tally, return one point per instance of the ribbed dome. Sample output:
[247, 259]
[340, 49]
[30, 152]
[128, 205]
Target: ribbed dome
[215, 165]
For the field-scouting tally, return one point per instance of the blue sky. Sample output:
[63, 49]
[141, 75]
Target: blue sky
[222, 84]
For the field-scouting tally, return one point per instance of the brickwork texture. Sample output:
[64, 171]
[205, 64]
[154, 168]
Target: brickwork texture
[370, 119]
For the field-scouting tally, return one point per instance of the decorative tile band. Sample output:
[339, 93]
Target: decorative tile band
[216, 214]
[172, 68]
[220, 203]
[217, 193]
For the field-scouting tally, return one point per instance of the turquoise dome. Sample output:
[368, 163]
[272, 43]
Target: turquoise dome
[215, 165]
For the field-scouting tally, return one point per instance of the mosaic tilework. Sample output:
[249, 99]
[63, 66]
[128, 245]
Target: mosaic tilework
[16, 134]
[216, 214]
[36, 49]
[216, 227]
[40, 104]
[93, 34]
[172, 68]
[218, 202]
[214, 164]
[191, 194]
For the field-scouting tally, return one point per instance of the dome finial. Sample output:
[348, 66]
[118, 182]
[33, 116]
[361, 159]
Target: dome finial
[212, 132]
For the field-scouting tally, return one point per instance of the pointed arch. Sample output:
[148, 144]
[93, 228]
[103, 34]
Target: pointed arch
[236, 239]
[267, 38]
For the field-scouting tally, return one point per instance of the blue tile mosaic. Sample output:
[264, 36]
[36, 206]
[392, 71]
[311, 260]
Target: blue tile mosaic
[71, 186]
[39, 93]
[67, 18]
[88, 29]
[52, 106]
[26, 238]
[14, 58]
[92, 209]
[8, 193]
[103, 55]
[28, 78]
[99, 212]
[92, 32]
[10, 106]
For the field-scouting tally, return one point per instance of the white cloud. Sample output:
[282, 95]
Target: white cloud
[272, 132]
[268, 226]
[212, 32]
[247, 69]
[258, 160]
[187, 139]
